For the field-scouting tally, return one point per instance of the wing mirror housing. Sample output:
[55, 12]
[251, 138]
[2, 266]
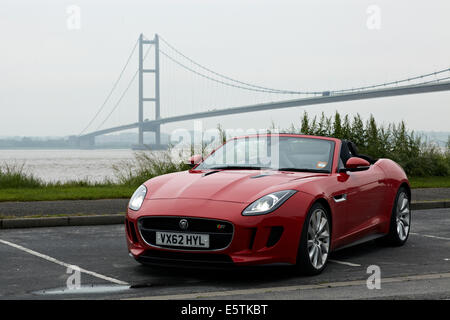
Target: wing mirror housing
[194, 160]
[356, 164]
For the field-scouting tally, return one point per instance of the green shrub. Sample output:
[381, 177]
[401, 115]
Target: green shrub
[15, 176]
[394, 141]
[146, 165]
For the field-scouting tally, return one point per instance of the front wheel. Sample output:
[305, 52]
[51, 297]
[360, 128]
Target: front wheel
[314, 244]
[400, 224]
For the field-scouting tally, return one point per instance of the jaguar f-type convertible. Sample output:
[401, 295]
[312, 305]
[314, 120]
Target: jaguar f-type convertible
[269, 199]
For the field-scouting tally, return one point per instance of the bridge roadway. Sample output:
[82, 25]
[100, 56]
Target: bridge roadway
[361, 95]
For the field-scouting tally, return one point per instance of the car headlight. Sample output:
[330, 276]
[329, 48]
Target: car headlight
[137, 198]
[268, 203]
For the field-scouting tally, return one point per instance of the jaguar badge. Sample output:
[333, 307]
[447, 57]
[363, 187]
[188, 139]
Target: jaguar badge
[183, 224]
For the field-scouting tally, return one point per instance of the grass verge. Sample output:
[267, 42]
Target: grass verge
[66, 193]
[430, 182]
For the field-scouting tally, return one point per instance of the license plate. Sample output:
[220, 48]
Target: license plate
[182, 239]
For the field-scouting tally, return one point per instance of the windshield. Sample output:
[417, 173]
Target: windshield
[273, 152]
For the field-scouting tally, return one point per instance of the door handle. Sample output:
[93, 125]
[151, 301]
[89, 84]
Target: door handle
[340, 198]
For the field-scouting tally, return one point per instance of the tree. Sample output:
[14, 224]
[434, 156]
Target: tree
[448, 145]
[320, 131]
[346, 128]
[313, 126]
[384, 146]
[328, 127]
[222, 133]
[357, 134]
[304, 129]
[337, 126]
[371, 138]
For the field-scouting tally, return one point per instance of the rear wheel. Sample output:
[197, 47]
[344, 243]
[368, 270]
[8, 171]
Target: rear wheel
[314, 245]
[400, 224]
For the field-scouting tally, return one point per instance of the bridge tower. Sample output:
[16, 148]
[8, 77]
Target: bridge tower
[156, 99]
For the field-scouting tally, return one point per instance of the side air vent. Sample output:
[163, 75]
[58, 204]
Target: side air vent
[131, 231]
[274, 236]
[252, 238]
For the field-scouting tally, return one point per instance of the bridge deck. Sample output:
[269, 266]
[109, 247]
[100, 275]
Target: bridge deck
[361, 95]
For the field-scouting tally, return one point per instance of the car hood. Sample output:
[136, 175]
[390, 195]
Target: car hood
[227, 185]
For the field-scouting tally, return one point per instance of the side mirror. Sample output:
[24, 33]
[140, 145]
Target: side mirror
[194, 160]
[357, 164]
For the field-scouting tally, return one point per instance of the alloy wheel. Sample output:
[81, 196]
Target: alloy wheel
[318, 240]
[403, 216]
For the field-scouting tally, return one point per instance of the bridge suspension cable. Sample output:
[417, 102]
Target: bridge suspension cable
[252, 87]
[214, 79]
[398, 82]
[249, 85]
[112, 89]
[125, 91]
[435, 80]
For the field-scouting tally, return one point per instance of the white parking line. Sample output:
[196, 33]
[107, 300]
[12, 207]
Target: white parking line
[48, 258]
[429, 236]
[345, 263]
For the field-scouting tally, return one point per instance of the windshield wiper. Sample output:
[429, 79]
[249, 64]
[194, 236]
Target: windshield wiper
[237, 167]
[303, 170]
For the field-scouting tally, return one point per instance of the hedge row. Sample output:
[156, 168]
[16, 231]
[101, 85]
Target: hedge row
[418, 156]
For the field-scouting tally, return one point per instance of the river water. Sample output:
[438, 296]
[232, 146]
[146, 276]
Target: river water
[64, 165]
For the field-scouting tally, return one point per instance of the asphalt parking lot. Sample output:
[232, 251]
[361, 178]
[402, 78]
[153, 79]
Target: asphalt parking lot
[34, 265]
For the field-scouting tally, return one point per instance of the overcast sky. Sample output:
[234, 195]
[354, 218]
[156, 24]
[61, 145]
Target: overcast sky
[56, 69]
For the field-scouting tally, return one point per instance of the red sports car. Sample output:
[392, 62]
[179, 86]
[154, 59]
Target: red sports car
[264, 199]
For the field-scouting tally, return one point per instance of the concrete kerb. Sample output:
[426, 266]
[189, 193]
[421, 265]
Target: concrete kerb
[90, 220]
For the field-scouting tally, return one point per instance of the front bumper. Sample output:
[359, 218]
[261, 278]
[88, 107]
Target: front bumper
[265, 239]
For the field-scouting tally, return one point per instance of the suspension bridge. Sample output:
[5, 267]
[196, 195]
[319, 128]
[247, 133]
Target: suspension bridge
[430, 82]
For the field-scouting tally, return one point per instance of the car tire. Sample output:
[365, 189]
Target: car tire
[400, 223]
[314, 246]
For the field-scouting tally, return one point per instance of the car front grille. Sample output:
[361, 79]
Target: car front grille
[185, 259]
[220, 232]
